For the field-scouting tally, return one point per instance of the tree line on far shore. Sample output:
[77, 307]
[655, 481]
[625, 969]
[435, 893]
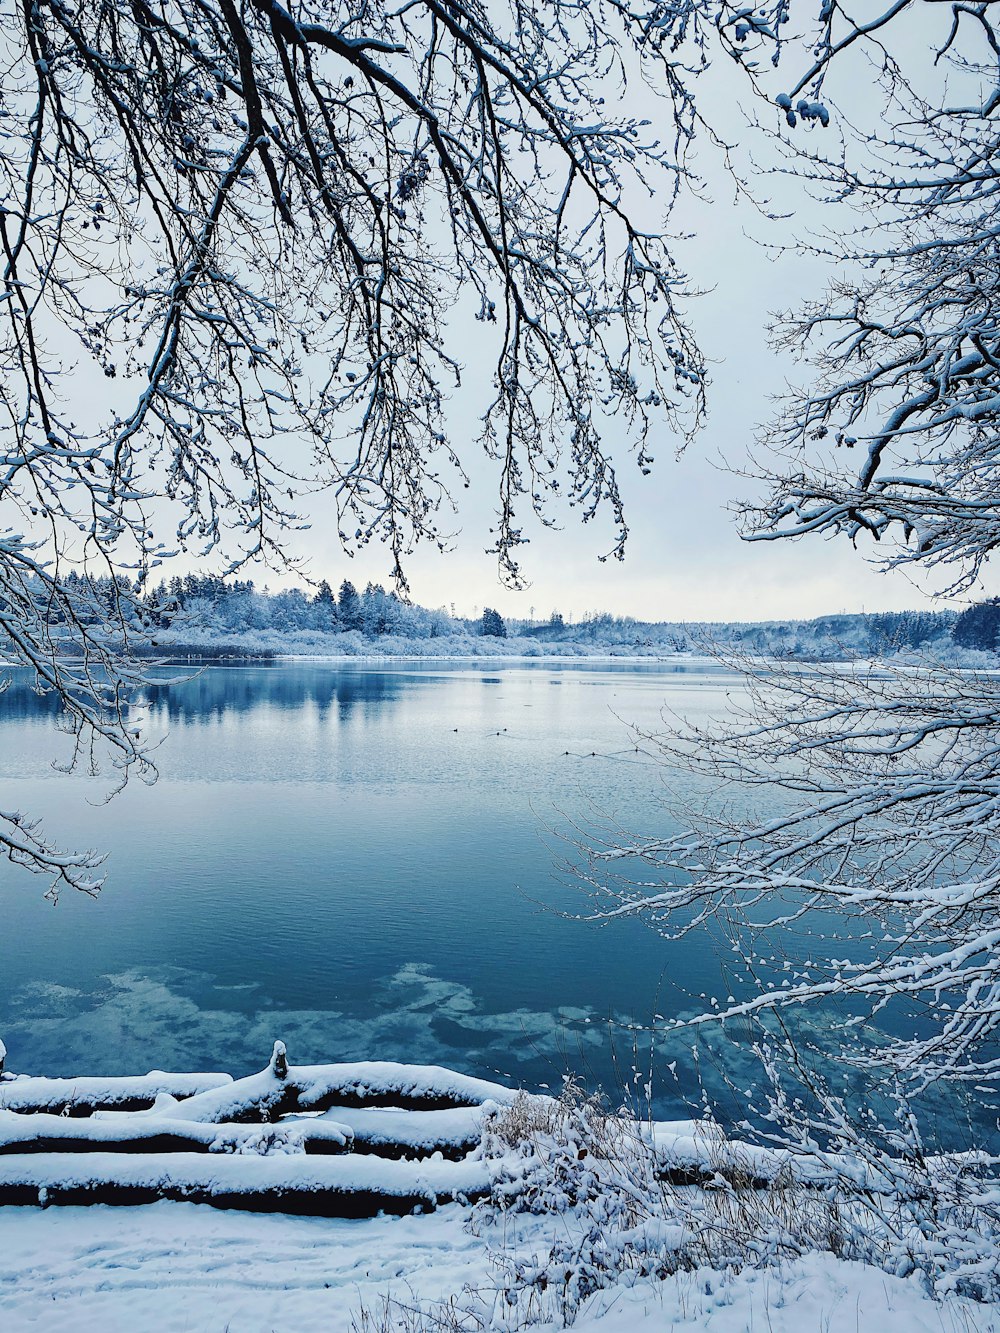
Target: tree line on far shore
[226, 609]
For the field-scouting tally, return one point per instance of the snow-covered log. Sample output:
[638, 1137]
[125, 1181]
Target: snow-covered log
[393, 1133]
[84, 1096]
[696, 1153]
[386, 1132]
[353, 1140]
[158, 1133]
[369, 1083]
[347, 1186]
[344, 1140]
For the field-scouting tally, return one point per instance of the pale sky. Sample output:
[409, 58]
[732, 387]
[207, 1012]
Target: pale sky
[685, 559]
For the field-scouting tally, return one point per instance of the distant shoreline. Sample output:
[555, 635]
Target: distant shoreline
[257, 627]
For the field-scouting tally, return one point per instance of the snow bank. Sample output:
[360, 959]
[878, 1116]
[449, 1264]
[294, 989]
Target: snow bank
[175, 1267]
[81, 1096]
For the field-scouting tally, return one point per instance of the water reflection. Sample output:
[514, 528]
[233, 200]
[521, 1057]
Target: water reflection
[353, 858]
[216, 694]
[21, 701]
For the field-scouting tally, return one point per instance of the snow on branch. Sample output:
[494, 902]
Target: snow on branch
[882, 820]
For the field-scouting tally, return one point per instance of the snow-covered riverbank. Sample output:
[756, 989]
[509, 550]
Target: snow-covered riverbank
[516, 1212]
[176, 1268]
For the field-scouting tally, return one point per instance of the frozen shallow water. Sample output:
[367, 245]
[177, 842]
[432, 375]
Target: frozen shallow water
[361, 860]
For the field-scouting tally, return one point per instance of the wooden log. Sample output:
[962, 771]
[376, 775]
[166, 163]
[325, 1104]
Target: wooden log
[56, 1134]
[295, 1202]
[387, 1132]
[345, 1186]
[320, 1088]
[347, 1140]
[384, 1083]
[83, 1096]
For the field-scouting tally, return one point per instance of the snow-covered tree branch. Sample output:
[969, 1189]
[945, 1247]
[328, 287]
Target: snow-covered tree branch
[877, 804]
[249, 225]
[892, 436]
[877, 789]
[233, 238]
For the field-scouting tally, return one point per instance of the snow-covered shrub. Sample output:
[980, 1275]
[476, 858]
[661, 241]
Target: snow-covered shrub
[594, 1174]
[624, 1212]
[904, 1206]
[585, 1198]
[412, 1316]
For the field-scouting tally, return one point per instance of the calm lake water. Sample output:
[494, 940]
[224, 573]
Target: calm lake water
[362, 860]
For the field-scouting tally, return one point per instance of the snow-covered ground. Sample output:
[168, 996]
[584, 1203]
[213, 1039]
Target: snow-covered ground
[179, 1268]
[216, 619]
[577, 1206]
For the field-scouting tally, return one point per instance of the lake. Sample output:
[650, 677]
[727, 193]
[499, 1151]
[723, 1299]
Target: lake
[363, 860]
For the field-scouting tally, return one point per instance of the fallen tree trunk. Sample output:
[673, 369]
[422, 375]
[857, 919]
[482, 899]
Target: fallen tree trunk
[347, 1140]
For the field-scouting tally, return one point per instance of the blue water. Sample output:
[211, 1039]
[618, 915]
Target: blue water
[365, 862]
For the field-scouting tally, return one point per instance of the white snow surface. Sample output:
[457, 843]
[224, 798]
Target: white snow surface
[174, 1267]
[183, 1266]
[245, 1174]
[19, 1092]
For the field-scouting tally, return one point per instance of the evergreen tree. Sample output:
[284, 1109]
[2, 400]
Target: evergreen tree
[325, 608]
[979, 626]
[349, 606]
[374, 610]
[493, 623]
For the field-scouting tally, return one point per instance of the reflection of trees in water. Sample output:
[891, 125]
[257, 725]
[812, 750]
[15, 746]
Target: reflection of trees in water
[20, 701]
[213, 691]
[216, 691]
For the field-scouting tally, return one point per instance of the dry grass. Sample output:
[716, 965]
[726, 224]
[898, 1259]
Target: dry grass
[582, 1199]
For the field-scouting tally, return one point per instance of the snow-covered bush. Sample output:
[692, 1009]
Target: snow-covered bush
[586, 1198]
[595, 1174]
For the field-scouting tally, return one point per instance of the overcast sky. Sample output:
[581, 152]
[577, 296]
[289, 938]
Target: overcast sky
[685, 559]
